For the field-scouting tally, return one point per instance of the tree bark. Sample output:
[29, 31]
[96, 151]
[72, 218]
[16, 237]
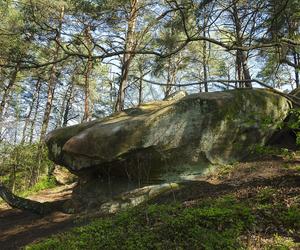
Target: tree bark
[22, 203]
[140, 86]
[241, 57]
[130, 45]
[50, 96]
[296, 62]
[205, 63]
[169, 80]
[173, 62]
[34, 99]
[8, 88]
[69, 98]
[87, 74]
[62, 119]
[52, 82]
[33, 121]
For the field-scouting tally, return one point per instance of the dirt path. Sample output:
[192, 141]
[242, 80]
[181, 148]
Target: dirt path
[19, 228]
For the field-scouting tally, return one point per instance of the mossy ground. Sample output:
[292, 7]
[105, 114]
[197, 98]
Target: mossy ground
[255, 214]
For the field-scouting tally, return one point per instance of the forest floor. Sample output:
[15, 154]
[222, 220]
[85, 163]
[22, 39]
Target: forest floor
[18, 228]
[243, 180]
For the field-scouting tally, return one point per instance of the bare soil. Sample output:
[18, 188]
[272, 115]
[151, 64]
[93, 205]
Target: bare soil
[19, 228]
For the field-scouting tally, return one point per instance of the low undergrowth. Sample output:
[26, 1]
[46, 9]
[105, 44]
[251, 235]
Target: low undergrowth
[44, 182]
[265, 219]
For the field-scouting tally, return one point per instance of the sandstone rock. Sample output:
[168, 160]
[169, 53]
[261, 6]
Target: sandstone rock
[176, 96]
[166, 138]
[63, 176]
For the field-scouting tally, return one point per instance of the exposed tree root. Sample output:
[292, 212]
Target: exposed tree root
[24, 204]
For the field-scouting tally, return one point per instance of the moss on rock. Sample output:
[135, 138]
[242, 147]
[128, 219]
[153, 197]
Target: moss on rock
[219, 127]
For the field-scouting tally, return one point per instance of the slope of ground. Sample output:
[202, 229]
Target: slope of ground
[253, 205]
[18, 228]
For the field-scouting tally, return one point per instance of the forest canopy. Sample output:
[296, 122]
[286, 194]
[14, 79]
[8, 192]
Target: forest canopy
[101, 114]
[66, 62]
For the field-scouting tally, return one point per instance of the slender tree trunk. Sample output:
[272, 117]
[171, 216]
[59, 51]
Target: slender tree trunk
[37, 104]
[140, 86]
[87, 75]
[50, 97]
[52, 82]
[87, 106]
[62, 119]
[48, 108]
[296, 62]
[172, 72]
[11, 83]
[205, 63]
[12, 178]
[34, 98]
[246, 71]
[69, 98]
[204, 54]
[169, 78]
[228, 77]
[241, 57]
[238, 70]
[61, 113]
[130, 45]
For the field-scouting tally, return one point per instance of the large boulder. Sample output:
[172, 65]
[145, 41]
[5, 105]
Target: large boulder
[169, 137]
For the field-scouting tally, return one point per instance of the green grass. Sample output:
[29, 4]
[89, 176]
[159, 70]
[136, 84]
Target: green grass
[212, 224]
[44, 183]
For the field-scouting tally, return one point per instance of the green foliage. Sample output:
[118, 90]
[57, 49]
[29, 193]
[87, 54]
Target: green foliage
[294, 123]
[281, 243]
[292, 217]
[22, 165]
[44, 182]
[161, 226]
[271, 151]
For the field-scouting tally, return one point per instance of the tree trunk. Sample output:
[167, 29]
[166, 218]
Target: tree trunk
[69, 98]
[22, 203]
[62, 119]
[11, 83]
[296, 62]
[238, 70]
[37, 104]
[204, 53]
[140, 86]
[87, 108]
[172, 72]
[52, 82]
[87, 74]
[169, 80]
[130, 45]
[205, 63]
[34, 99]
[48, 108]
[241, 57]
[246, 71]
[12, 178]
